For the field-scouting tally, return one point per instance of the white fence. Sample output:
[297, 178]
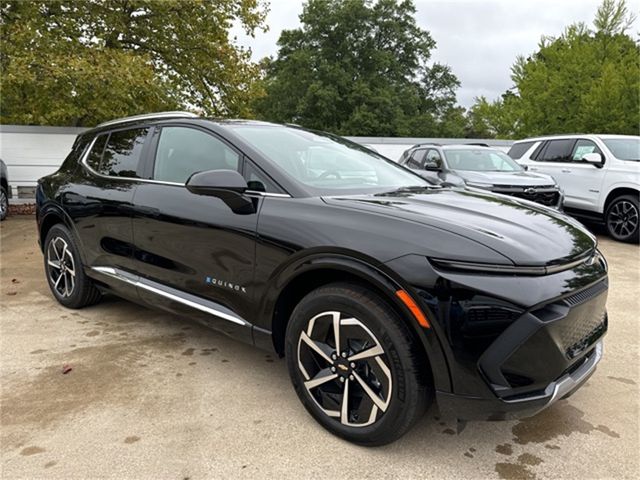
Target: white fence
[32, 152]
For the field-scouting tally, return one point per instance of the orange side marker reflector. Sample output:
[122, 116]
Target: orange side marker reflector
[415, 310]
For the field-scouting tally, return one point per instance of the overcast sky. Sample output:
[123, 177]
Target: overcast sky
[479, 39]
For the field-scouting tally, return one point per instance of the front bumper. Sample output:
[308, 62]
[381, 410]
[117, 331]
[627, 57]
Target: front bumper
[476, 408]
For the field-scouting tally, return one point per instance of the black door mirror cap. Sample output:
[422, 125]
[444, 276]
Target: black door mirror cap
[227, 185]
[210, 182]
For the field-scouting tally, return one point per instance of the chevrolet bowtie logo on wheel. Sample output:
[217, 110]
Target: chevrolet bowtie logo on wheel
[343, 367]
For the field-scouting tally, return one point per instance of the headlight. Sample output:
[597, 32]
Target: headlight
[486, 186]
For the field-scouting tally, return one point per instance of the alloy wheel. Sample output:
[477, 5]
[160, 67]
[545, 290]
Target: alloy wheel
[61, 267]
[345, 369]
[623, 218]
[4, 204]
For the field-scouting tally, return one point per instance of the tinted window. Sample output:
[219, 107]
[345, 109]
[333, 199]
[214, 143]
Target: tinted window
[416, 159]
[95, 156]
[257, 180]
[557, 151]
[624, 148]
[583, 147]
[184, 151]
[518, 149]
[122, 153]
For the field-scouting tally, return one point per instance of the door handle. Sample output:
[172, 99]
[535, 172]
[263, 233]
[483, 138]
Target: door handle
[565, 170]
[533, 169]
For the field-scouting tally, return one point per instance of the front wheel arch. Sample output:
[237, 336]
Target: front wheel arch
[311, 279]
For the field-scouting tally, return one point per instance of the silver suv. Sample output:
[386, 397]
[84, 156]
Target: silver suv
[480, 166]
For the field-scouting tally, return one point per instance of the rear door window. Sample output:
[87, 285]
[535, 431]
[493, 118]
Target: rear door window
[122, 153]
[417, 159]
[557, 151]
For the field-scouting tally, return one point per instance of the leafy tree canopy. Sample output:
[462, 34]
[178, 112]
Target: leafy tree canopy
[583, 81]
[359, 67]
[80, 62]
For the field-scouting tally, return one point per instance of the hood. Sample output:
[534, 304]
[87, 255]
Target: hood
[525, 233]
[506, 178]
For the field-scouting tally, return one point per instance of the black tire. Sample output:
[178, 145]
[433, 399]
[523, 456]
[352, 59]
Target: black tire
[622, 219]
[4, 203]
[406, 393]
[75, 291]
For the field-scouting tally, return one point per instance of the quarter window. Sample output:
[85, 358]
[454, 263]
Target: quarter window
[184, 151]
[95, 155]
[557, 151]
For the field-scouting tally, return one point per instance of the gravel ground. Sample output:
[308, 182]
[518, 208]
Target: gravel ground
[154, 396]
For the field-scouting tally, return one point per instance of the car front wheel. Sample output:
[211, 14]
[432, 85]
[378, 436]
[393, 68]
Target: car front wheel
[355, 365]
[622, 219]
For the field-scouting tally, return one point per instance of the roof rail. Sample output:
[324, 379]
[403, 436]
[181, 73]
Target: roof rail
[148, 116]
[477, 144]
[427, 143]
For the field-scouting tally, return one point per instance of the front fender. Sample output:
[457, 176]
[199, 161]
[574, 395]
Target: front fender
[371, 272]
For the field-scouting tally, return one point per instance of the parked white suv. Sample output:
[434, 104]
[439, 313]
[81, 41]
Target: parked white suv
[600, 176]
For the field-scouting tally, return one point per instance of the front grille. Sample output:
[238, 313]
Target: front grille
[550, 199]
[575, 336]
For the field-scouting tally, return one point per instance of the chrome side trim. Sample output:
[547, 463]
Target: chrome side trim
[84, 163]
[148, 116]
[192, 301]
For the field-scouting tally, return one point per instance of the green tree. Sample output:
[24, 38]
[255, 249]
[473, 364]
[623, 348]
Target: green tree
[84, 61]
[582, 81]
[358, 67]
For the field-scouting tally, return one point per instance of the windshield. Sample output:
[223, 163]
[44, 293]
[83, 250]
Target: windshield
[480, 160]
[326, 163]
[624, 148]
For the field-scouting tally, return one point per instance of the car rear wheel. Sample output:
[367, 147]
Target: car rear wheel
[65, 272]
[623, 219]
[4, 203]
[355, 365]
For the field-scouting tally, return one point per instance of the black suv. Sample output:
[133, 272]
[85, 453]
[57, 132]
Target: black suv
[479, 166]
[381, 290]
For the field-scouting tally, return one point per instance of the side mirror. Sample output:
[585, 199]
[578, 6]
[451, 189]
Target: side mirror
[227, 185]
[432, 167]
[525, 167]
[594, 159]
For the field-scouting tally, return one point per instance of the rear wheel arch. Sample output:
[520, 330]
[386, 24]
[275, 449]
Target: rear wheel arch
[51, 216]
[311, 279]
